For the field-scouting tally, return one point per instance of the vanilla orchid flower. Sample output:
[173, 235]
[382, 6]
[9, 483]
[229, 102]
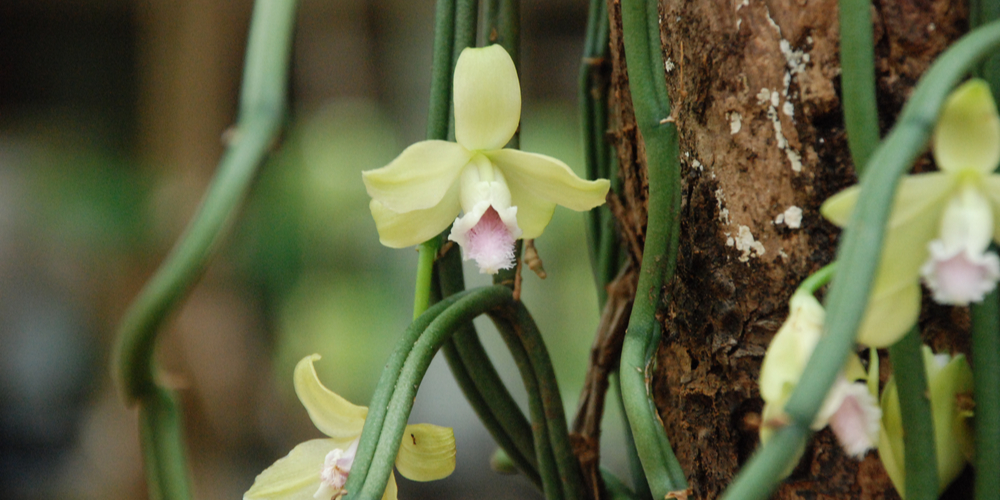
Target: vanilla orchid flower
[498, 195]
[949, 382]
[318, 469]
[941, 223]
[849, 409]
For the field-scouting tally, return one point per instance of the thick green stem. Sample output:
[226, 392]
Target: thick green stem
[643, 53]
[920, 459]
[857, 80]
[464, 310]
[986, 373]
[555, 417]
[162, 436]
[983, 12]
[262, 109]
[858, 256]
[386, 387]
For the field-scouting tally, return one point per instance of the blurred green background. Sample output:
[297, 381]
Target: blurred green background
[111, 119]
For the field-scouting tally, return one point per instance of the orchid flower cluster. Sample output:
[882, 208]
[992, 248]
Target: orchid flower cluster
[319, 468]
[490, 196]
[940, 230]
[942, 223]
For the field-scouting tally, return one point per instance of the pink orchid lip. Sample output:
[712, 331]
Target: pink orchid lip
[490, 243]
[962, 277]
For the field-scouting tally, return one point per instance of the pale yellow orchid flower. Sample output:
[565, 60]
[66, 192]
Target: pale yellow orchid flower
[317, 469]
[502, 194]
[948, 380]
[849, 409]
[941, 223]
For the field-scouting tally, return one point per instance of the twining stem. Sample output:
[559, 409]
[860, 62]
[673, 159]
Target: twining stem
[984, 12]
[437, 129]
[384, 391]
[817, 280]
[261, 111]
[920, 459]
[858, 257]
[857, 80]
[465, 309]
[161, 433]
[647, 84]
[555, 418]
[986, 373]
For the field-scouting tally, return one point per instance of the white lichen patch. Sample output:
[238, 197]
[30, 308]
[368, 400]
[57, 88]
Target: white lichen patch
[668, 65]
[780, 219]
[795, 63]
[793, 217]
[720, 200]
[763, 95]
[697, 165]
[746, 244]
[735, 122]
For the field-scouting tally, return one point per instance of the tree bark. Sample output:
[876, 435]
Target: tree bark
[755, 87]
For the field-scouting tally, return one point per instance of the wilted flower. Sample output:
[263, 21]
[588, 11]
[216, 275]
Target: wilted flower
[948, 379]
[502, 194]
[319, 468]
[941, 223]
[849, 409]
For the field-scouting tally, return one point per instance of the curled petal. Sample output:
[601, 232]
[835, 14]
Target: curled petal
[400, 230]
[332, 414]
[419, 177]
[549, 179]
[487, 98]
[295, 476]
[967, 134]
[853, 414]
[945, 385]
[426, 453]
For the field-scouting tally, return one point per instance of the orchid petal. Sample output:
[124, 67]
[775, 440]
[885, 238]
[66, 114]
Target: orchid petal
[487, 98]
[332, 414]
[991, 185]
[401, 230]
[889, 315]
[890, 437]
[952, 379]
[533, 213]
[967, 134]
[913, 196]
[296, 476]
[419, 178]
[426, 453]
[549, 179]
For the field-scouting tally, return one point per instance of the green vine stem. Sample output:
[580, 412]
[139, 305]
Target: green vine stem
[984, 12]
[547, 466]
[920, 459]
[857, 80]
[858, 255]
[386, 387]
[986, 373]
[643, 53]
[469, 305]
[161, 432]
[437, 128]
[592, 95]
[262, 109]
[555, 417]
[817, 280]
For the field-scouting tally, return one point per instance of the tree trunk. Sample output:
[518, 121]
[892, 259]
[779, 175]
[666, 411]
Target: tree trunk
[755, 86]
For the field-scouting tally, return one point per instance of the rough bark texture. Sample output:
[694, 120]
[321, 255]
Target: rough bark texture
[756, 87]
